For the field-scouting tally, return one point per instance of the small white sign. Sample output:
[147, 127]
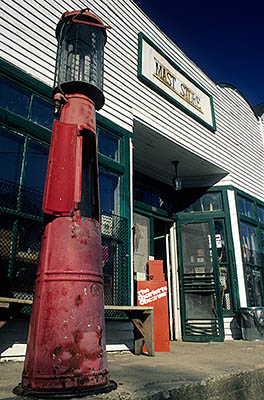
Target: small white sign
[218, 240]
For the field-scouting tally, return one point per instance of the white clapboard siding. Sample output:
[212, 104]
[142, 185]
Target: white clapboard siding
[28, 40]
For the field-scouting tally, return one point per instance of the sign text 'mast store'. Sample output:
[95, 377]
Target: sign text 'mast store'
[163, 76]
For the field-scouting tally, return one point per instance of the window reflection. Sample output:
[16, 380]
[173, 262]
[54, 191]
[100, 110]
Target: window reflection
[260, 212]
[11, 149]
[109, 192]
[245, 207]
[36, 165]
[108, 145]
[249, 236]
[42, 112]
[14, 97]
[208, 202]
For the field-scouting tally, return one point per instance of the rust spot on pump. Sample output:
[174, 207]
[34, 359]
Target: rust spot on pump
[57, 351]
[79, 300]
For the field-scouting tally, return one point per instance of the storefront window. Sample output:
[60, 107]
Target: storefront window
[109, 192]
[249, 236]
[245, 207]
[142, 193]
[223, 265]
[208, 202]
[108, 145]
[14, 97]
[252, 240]
[253, 263]
[262, 239]
[23, 164]
[260, 212]
[42, 112]
[12, 148]
[25, 103]
[36, 165]
[153, 194]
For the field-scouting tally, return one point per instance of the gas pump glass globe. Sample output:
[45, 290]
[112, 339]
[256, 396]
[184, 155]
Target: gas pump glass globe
[80, 56]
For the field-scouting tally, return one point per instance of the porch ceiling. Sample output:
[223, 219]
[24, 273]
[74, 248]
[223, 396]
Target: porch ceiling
[154, 153]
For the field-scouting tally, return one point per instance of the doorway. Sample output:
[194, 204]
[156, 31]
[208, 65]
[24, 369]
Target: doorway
[201, 309]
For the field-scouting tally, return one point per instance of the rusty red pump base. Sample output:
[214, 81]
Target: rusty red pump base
[66, 354]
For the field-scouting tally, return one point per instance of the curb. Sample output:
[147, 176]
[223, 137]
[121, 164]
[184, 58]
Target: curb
[245, 385]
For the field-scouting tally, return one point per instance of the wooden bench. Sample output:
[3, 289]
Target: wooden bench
[141, 317]
[143, 321]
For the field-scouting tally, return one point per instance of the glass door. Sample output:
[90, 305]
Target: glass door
[199, 280]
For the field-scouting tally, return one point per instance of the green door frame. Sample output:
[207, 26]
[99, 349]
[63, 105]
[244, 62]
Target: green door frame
[215, 289]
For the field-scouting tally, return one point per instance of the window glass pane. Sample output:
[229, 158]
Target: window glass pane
[195, 207]
[34, 179]
[109, 192]
[142, 193]
[108, 145]
[11, 148]
[249, 236]
[249, 208]
[260, 211]
[241, 205]
[36, 165]
[250, 244]
[253, 238]
[245, 207]
[211, 202]
[262, 239]
[42, 112]
[208, 202]
[14, 98]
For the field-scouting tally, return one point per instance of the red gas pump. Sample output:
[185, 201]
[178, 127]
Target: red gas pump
[66, 354]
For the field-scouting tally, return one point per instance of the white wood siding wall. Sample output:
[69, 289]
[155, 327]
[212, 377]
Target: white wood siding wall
[28, 41]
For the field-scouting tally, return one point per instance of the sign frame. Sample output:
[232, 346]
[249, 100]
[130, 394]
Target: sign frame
[143, 78]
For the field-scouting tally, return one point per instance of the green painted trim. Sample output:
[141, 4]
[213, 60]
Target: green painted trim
[198, 215]
[26, 80]
[151, 209]
[230, 86]
[203, 338]
[140, 210]
[21, 214]
[110, 164]
[154, 87]
[105, 123]
[13, 121]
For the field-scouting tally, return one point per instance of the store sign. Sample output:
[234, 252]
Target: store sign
[156, 70]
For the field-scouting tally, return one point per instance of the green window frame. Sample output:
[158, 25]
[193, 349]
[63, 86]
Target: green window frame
[31, 127]
[251, 227]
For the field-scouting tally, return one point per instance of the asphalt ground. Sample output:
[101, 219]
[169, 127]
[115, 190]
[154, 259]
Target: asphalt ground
[233, 370]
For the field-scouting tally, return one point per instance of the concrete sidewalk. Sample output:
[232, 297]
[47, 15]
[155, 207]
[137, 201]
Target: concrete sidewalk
[191, 371]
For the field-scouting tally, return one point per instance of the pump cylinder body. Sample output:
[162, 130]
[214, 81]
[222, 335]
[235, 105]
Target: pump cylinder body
[66, 343]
